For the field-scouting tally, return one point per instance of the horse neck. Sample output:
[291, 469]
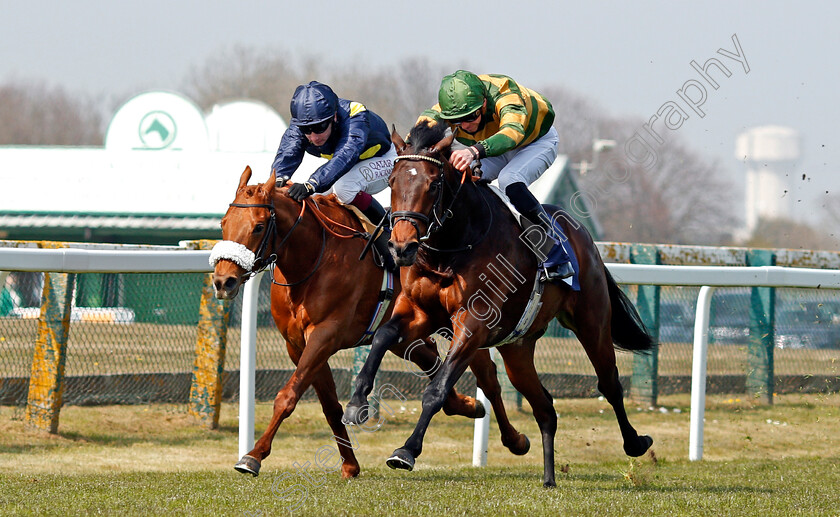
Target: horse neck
[467, 226]
[301, 248]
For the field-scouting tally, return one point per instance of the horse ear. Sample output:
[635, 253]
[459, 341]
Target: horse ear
[246, 175]
[446, 143]
[269, 184]
[397, 140]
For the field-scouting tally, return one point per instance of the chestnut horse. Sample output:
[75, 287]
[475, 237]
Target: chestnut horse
[323, 299]
[453, 233]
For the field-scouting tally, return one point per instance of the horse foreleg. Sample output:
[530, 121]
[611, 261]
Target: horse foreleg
[424, 353]
[324, 385]
[309, 362]
[486, 378]
[519, 363]
[357, 410]
[434, 396]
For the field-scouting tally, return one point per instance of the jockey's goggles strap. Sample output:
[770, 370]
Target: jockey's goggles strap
[419, 157]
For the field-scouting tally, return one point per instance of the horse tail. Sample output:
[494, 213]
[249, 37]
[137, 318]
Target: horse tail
[628, 330]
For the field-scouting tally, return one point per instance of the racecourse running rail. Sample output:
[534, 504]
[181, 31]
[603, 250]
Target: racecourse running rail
[145, 260]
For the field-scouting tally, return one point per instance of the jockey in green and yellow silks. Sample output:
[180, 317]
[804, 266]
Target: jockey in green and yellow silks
[509, 128]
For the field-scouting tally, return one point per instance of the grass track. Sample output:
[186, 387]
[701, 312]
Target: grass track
[781, 487]
[151, 460]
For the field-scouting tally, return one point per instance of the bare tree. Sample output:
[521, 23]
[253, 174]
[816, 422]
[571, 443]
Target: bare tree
[263, 74]
[33, 113]
[578, 122]
[679, 199]
[397, 94]
[787, 233]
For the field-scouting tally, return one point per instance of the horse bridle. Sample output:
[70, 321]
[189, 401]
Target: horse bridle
[435, 222]
[262, 262]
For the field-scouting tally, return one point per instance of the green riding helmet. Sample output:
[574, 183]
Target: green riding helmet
[460, 94]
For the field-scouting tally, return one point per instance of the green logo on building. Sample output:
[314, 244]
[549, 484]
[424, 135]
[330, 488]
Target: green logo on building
[157, 130]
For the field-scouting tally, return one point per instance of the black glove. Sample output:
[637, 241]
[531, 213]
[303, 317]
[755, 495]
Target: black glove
[301, 191]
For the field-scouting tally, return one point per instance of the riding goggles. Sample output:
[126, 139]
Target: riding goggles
[318, 128]
[467, 118]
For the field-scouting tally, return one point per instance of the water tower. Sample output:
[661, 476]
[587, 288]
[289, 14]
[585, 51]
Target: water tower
[770, 154]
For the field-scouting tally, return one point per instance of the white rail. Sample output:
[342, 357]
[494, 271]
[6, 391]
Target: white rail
[72, 260]
[708, 277]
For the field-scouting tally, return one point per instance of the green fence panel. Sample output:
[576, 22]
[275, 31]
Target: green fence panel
[759, 382]
[644, 384]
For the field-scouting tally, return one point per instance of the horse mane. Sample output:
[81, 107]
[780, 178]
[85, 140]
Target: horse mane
[425, 134]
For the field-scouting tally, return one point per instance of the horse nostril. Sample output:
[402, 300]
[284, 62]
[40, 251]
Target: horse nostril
[411, 248]
[230, 283]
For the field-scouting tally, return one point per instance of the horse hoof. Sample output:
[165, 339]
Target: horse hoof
[480, 411]
[401, 459]
[521, 447]
[641, 445]
[549, 484]
[355, 415]
[248, 465]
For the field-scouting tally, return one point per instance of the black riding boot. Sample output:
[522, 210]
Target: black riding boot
[376, 213]
[557, 264]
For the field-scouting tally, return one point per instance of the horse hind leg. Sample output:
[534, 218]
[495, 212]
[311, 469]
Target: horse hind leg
[634, 444]
[324, 385]
[602, 356]
[519, 362]
[485, 373]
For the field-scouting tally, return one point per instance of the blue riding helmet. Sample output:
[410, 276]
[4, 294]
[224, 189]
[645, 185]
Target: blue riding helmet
[313, 103]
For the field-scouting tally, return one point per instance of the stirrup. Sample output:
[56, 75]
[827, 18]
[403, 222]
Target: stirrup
[383, 258]
[560, 272]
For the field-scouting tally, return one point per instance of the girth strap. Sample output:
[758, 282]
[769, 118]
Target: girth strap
[386, 294]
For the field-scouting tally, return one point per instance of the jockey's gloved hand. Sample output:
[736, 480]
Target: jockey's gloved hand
[301, 191]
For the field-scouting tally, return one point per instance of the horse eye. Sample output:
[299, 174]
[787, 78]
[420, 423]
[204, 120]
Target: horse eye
[433, 187]
[259, 228]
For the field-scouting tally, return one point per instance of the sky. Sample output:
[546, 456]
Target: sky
[629, 58]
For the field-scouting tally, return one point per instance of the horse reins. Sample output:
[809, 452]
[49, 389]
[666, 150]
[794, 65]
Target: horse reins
[322, 219]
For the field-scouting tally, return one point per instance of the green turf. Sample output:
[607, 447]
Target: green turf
[756, 487]
[774, 460]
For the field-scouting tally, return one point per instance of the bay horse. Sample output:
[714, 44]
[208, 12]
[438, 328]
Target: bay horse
[449, 233]
[323, 299]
